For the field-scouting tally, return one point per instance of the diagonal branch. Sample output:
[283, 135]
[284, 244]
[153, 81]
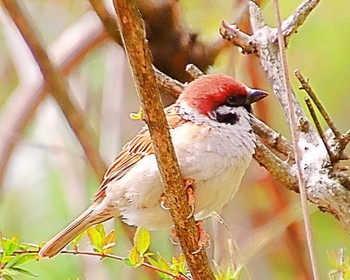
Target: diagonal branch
[231, 33]
[132, 29]
[57, 86]
[29, 94]
[298, 17]
[329, 193]
[109, 23]
[273, 139]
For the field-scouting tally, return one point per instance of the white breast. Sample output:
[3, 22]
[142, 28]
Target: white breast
[214, 156]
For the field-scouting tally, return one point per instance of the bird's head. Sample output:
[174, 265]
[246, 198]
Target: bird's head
[214, 95]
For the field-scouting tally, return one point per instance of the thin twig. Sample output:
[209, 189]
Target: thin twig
[93, 254]
[102, 256]
[298, 17]
[194, 71]
[272, 139]
[165, 82]
[132, 29]
[319, 129]
[231, 32]
[107, 20]
[57, 85]
[305, 85]
[295, 139]
[278, 168]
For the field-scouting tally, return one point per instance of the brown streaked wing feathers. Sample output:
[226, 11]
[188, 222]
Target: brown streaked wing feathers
[135, 150]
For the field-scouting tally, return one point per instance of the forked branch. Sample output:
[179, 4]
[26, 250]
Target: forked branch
[326, 190]
[133, 33]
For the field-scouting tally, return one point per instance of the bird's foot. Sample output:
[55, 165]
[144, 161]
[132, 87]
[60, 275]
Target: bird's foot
[191, 199]
[203, 240]
[173, 237]
[164, 202]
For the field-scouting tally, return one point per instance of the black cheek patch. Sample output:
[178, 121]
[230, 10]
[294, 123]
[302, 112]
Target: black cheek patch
[230, 118]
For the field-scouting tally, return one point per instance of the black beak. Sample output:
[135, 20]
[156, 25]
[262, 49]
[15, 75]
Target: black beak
[255, 95]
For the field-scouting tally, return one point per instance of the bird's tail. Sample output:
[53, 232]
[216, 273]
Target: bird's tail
[62, 239]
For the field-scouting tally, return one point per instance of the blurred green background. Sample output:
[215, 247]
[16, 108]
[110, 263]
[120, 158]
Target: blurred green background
[48, 180]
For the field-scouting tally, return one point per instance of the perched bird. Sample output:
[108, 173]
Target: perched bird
[214, 143]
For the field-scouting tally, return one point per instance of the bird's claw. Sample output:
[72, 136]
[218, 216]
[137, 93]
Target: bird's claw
[204, 238]
[173, 236]
[191, 199]
[191, 213]
[164, 202]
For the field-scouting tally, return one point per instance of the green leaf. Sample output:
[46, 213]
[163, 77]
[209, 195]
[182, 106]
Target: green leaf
[20, 259]
[5, 259]
[9, 245]
[156, 264]
[128, 262]
[95, 238]
[107, 249]
[162, 264]
[7, 277]
[135, 258]
[109, 242]
[101, 230]
[179, 265]
[152, 261]
[142, 240]
[24, 271]
[9, 271]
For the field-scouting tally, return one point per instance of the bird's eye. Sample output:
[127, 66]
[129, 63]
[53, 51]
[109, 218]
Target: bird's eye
[232, 100]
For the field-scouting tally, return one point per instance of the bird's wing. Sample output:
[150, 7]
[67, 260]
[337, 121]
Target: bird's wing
[134, 151]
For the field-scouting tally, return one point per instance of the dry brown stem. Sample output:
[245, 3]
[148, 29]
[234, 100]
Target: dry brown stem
[107, 20]
[273, 139]
[319, 129]
[132, 29]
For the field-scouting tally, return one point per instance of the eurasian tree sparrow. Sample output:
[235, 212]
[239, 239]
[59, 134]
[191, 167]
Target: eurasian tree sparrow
[214, 143]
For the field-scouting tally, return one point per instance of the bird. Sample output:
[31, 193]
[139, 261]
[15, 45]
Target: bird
[210, 128]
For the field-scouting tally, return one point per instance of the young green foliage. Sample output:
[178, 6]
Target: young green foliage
[162, 264]
[10, 259]
[75, 241]
[142, 241]
[101, 243]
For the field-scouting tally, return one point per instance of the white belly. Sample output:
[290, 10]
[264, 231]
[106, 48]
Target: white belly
[216, 160]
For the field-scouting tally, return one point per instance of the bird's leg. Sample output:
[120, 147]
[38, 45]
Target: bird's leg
[204, 238]
[191, 199]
